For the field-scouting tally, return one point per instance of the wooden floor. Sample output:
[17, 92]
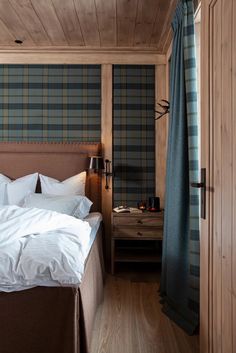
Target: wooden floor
[130, 321]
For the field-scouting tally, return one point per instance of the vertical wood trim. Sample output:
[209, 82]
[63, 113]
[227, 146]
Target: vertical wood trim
[234, 177]
[227, 185]
[217, 161]
[161, 134]
[106, 139]
[205, 231]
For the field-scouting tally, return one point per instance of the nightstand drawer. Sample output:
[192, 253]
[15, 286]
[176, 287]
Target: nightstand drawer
[138, 233]
[138, 221]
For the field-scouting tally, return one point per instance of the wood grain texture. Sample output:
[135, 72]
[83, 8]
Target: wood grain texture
[106, 15]
[69, 21]
[78, 56]
[218, 309]
[227, 173]
[14, 24]
[234, 178]
[116, 23]
[161, 135]
[126, 17]
[217, 174]
[130, 321]
[48, 17]
[146, 15]
[86, 12]
[106, 138]
[31, 21]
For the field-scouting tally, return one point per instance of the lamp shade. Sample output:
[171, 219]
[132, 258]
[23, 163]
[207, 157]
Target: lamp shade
[96, 162]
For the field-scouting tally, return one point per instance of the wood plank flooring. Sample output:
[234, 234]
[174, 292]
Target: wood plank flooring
[130, 321]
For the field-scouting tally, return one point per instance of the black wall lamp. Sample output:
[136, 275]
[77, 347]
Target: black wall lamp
[97, 164]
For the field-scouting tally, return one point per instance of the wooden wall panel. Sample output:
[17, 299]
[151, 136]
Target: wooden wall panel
[227, 174]
[217, 174]
[218, 250]
[161, 135]
[205, 241]
[234, 180]
[106, 139]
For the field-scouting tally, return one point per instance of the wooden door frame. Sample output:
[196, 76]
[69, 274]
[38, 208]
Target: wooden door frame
[206, 158]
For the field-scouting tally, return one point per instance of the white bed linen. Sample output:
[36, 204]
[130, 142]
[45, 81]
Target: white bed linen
[42, 248]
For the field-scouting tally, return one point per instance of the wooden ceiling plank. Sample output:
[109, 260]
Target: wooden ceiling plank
[126, 15]
[6, 37]
[106, 15]
[66, 12]
[165, 37]
[14, 24]
[146, 15]
[50, 21]
[31, 21]
[86, 12]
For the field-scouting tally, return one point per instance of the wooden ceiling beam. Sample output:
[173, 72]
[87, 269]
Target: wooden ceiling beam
[68, 56]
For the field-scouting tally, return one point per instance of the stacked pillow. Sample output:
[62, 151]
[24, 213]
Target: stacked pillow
[13, 192]
[66, 197]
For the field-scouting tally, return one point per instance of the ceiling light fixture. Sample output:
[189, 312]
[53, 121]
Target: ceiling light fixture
[18, 41]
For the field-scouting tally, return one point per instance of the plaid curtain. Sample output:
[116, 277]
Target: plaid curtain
[180, 266]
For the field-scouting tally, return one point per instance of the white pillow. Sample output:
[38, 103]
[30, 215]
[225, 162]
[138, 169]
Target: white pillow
[13, 192]
[72, 186]
[77, 206]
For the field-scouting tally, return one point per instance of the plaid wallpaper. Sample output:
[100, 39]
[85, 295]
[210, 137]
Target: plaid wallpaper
[134, 133]
[50, 103]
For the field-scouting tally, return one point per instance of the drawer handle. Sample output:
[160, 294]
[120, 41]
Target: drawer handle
[139, 233]
[140, 221]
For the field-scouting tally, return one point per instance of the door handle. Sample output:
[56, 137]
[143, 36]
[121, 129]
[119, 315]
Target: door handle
[197, 185]
[202, 186]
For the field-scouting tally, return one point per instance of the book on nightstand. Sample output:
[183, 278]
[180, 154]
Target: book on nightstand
[123, 209]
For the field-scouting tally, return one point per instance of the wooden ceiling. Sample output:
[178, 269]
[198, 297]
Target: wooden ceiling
[133, 24]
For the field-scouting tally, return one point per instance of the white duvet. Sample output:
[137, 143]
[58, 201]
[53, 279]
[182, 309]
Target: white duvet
[40, 246]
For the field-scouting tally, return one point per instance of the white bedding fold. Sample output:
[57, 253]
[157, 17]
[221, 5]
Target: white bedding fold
[39, 246]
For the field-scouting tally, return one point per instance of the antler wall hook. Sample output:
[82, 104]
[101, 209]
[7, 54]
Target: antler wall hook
[165, 108]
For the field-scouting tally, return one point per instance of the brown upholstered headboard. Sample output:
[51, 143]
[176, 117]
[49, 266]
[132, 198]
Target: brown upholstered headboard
[56, 160]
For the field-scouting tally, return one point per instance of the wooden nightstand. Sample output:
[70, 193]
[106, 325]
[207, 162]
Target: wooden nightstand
[136, 237]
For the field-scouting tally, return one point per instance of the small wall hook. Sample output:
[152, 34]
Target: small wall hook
[165, 109]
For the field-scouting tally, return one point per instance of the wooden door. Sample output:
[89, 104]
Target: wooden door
[218, 155]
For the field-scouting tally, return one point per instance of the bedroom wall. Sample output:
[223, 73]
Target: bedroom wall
[10, 131]
[63, 103]
[50, 103]
[133, 133]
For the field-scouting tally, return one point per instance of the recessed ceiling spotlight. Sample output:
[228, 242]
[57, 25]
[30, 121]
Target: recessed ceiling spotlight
[18, 41]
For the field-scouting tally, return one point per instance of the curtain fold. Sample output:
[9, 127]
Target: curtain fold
[180, 261]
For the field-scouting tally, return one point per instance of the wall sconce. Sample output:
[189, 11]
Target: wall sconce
[97, 164]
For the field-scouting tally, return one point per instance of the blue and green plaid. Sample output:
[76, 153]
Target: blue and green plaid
[133, 133]
[50, 103]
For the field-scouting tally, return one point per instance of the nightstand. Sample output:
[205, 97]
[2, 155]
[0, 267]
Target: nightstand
[136, 237]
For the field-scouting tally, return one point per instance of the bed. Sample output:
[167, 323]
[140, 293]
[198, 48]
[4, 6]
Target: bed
[53, 319]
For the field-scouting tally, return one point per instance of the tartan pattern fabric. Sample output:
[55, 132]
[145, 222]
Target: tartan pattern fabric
[50, 103]
[190, 72]
[133, 133]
